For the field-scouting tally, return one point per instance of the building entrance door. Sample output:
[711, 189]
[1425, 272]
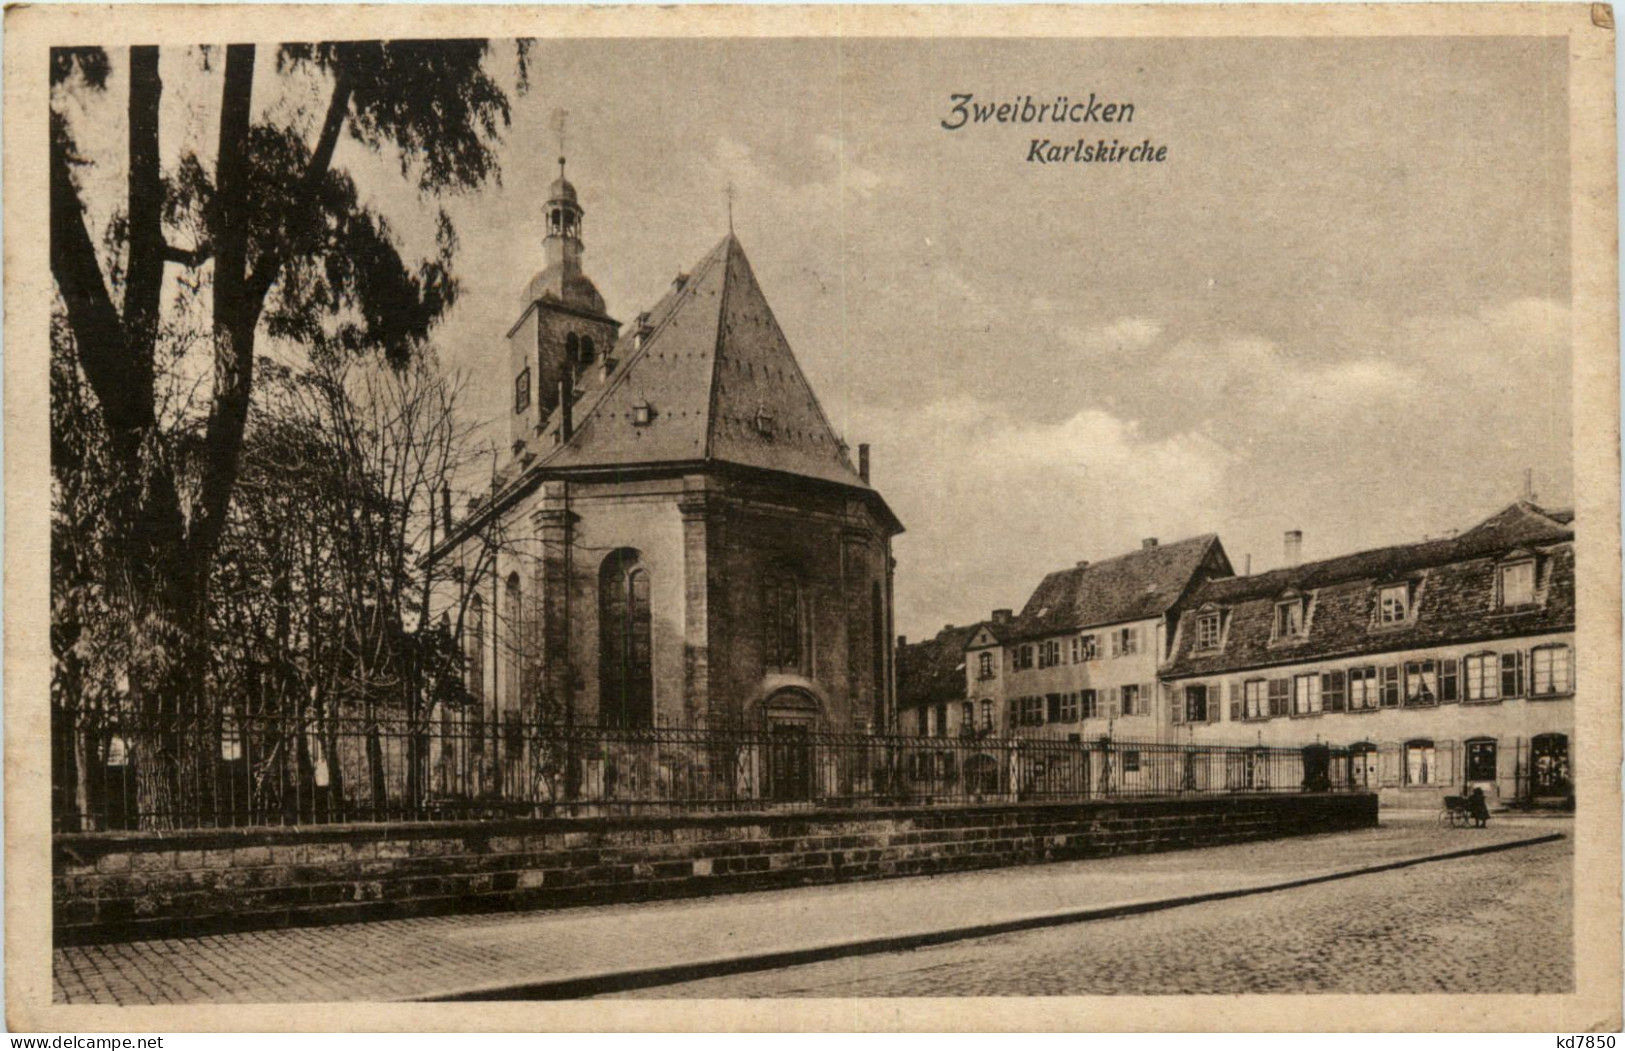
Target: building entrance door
[789, 762]
[1363, 765]
[1549, 766]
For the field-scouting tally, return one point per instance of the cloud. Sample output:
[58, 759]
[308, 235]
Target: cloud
[993, 501]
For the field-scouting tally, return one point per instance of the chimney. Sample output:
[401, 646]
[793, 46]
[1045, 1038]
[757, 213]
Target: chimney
[1528, 485]
[1002, 616]
[1294, 546]
[679, 283]
[1249, 570]
[1148, 543]
[863, 461]
[445, 507]
[1083, 564]
[565, 417]
[902, 640]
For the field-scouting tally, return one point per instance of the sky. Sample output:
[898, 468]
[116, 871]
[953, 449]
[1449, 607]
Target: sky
[1340, 305]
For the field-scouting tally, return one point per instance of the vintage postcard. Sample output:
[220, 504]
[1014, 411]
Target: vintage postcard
[812, 517]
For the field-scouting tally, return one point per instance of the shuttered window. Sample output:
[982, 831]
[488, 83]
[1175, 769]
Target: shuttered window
[1255, 699]
[1362, 689]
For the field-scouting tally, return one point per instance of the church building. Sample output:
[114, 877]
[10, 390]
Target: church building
[677, 537]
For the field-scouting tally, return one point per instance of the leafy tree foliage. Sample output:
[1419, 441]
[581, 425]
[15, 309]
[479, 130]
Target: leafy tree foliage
[270, 238]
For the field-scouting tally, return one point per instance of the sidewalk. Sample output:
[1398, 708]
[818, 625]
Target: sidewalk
[571, 952]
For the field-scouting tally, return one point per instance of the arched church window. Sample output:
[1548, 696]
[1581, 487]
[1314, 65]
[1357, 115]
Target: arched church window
[783, 625]
[586, 350]
[625, 644]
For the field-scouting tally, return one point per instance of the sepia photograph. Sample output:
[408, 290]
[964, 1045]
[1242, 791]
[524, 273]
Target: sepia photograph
[819, 508]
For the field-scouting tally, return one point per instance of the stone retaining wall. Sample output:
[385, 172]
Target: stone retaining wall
[126, 885]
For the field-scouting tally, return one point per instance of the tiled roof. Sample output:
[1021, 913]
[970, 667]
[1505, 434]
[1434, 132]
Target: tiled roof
[1453, 581]
[933, 670]
[720, 384]
[1135, 586]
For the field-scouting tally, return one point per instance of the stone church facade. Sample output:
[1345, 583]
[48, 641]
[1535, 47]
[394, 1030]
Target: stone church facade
[678, 537]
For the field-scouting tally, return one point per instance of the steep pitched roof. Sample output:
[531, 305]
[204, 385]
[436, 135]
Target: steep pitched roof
[1135, 586]
[720, 384]
[1454, 585]
[934, 670]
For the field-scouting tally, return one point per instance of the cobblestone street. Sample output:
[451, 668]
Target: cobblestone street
[1490, 923]
[1431, 926]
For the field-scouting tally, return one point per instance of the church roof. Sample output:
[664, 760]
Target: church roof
[713, 379]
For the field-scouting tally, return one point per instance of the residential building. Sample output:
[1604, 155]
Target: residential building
[1082, 657]
[677, 535]
[1446, 665]
[933, 699]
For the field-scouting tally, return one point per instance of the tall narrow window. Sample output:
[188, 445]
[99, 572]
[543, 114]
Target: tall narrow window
[1255, 699]
[878, 638]
[1512, 674]
[1306, 699]
[625, 665]
[782, 622]
[513, 644]
[1421, 767]
[1421, 683]
[475, 643]
[984, 665]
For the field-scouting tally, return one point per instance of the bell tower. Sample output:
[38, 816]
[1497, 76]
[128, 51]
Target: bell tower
[563, 342]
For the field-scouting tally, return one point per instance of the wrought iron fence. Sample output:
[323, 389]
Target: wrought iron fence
[111, 772]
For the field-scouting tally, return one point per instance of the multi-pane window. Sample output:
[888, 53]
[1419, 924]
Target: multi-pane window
[1421, 683]
[1069, 706]
[1483, 673]
[1125, 642]
[987, 715]
[942, 720]
[984, 665]
[967, 717]
[1133, 703]
[1449, 685]
[1306, 695]
[1255, 699]
[1331, 690]
[1052, 707]
[1550, 670]
[1083, 648]
[521, 391]
[1362, 689]
[625, 661]
[1049, 653]
[1481, 755]
[1090, 702]
[1518, 584]
[1207, 631]
[1394, 604]
[1023, 656]
[1280, 697]
[1421, 765]
[1388, 682]
[1032, 711]
[1289, 619]
[1512, 674]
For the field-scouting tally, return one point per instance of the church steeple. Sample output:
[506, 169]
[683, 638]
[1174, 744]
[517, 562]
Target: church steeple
[563, 242]
[560, 278]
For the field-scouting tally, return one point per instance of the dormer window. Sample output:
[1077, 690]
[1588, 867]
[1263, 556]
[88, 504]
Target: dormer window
[763, 423]
[642, 414]
[1516, 583]
[1394, 604]
[1289, 618]
[1207, 630]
